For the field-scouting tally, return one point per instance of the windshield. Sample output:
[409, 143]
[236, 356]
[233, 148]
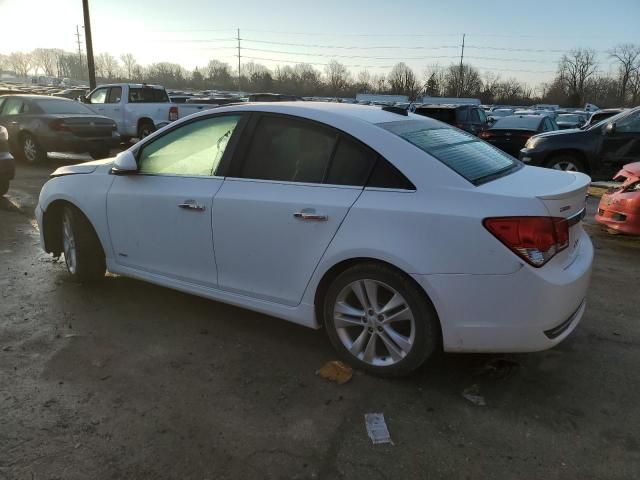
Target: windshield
[62, 106]
[613, 118]
[465, 154]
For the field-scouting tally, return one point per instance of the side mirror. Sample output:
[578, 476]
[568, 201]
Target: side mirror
[610, 128]
[125, 164]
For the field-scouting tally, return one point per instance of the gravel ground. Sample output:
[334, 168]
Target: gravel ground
[126, 380]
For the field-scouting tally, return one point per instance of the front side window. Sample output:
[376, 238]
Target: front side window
[290, 150]
[12, 106]
[194, 149]
[99, 96]
[468, 156]
[629, 124]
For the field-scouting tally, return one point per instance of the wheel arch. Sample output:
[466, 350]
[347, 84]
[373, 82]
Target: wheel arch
[335, 270]
[574, 152]
[51, 221]
[143, 120]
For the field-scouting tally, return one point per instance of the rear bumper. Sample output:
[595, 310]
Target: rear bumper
[64, 142]
[529, 310]
[7, 166]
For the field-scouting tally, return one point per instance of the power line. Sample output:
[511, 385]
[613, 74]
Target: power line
[331, 55]
[350, 47]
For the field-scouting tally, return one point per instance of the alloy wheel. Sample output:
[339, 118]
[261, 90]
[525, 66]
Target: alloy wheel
[565, 166]
[30, 149]
[374, 322]
[69, 244]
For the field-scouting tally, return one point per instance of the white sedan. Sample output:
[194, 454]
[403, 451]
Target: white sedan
[397, 233]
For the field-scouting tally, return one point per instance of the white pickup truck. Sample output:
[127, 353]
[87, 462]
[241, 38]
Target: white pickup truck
[137, 108]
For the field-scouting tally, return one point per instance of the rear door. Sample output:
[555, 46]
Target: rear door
[286, 195]
[11, 115]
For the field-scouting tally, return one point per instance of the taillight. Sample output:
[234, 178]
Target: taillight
[485, 134]
[534, 239]
[460, 126]
[59, 125]
[173, 113]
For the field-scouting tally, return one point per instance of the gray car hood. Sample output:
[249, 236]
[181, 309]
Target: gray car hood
[86, 167]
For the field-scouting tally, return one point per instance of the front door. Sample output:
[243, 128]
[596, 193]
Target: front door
[293, 186]
[622, 146]
[160, 219]
[113, 108]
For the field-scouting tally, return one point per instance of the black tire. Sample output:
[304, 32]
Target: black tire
[562, 161]
[88, 264]
[145, 129]
[4, 186]
[100, 154]
[426, 326]
[30, 150]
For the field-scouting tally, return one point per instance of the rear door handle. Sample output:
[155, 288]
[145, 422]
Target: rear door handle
[191, 205]
[311, 216]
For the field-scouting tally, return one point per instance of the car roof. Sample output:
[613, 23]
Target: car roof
[444, 107]
[370, 114]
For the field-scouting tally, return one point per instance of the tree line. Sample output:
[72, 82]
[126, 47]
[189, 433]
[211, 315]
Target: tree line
[578, 79]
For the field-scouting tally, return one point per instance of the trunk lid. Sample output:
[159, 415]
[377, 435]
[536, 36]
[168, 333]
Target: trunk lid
[87, 125]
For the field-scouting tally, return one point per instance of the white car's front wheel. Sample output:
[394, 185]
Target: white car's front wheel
[82, 250]
[380, 321]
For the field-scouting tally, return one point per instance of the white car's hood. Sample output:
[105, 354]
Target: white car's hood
[86, 167]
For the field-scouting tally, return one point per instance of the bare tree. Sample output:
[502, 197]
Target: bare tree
[627, 56]
[634, 87]
[402, 80]
[575, 69]
[47, 59]
[128, 62]
[465, 82]
[21, 63]
[434, 80]
[337, 76]
[106, 65]
[4, 62]
[219, 73]
[363, 81]
[379, 83]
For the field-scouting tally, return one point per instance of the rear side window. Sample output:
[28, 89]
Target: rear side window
[351, 164]
[115, 94]
[148, 95]
[288, 150]
[385, 175]
[465, 154]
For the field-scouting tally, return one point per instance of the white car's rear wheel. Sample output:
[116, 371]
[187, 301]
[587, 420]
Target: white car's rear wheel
[82, 250]
[380, 321]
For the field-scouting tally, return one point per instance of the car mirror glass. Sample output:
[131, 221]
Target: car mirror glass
[125, 163]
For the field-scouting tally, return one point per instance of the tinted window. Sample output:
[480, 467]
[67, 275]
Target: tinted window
[194, 149]
[147, 95]
[483, 116]
[288, 150]
[385, 175]
[475, 116]
[529, 122]
[115, 94]
[62, 106]
[351, 164]
[447, 115]
[471, 158]
[630, 123]
[99, 96]
[463, 114]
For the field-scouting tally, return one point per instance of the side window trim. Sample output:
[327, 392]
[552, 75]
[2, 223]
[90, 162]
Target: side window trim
[226, 156]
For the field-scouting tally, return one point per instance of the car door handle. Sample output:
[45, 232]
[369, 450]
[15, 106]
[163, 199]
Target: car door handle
[191, 205]
[311, 216]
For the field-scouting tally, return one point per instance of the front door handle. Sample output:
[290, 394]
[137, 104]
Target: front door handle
[191, 205]
[311, 216]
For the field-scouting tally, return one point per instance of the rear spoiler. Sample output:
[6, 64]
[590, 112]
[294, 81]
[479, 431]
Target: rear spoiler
[581, 181]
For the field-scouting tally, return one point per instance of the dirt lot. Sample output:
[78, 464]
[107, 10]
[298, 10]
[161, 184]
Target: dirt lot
[127, 380]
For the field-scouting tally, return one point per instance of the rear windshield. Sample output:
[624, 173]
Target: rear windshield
[528, 122]
[447, 115]
[568, 118]
[470, 157]
[62, 106]
[148, 95]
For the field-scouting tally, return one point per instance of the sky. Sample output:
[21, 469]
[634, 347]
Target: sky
[521, 39]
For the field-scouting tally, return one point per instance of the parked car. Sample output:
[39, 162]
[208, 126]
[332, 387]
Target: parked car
[566, 121]
[369, 214]
[38, 124]
[470, 118]
[197, 104]
[599, 149]
[600, 115]
[72, 93]
[7, 164]
[510, 134]
[497, 113]
[138, 109]
[273, 97]
[619, 208]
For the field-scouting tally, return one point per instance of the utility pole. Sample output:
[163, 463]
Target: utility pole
[461, 84]
[89, 43]
[239, 71]
[78, 40]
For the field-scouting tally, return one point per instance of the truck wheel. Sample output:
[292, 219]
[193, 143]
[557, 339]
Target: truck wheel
[145, 129]
[567, 163]
[4, 186]
[30, 150]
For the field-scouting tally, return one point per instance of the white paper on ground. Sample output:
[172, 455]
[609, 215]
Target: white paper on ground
[377, 428]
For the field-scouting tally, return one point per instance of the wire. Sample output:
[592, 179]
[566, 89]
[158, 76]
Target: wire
[350, 47]
[349, 56]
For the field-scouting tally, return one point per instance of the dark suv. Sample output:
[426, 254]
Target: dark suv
[597, 150]
[470, 118]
